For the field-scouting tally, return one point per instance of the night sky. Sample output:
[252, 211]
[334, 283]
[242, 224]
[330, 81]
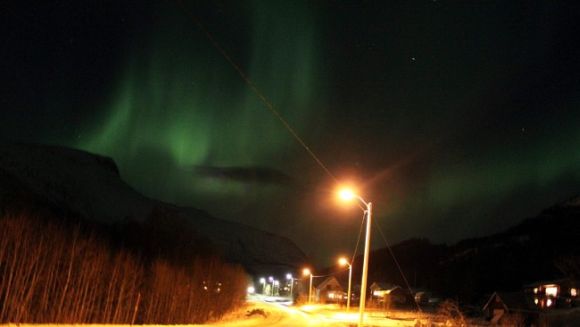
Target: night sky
[456, 119]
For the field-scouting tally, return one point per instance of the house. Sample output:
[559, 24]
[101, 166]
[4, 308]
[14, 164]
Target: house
[422, 296]
[386, 295]
[500, 306]
[379, 289]
[329, 290]
[559, 293]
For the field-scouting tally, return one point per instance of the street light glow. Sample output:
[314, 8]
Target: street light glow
[307, 272]
[346, 194]
[288, 276]
[344, 262]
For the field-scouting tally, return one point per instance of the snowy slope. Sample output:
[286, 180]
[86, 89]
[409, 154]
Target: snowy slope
[90, 186]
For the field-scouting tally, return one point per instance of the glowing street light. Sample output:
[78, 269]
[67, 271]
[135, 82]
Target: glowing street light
[263, 282]
[291, 279]
[347, 194]
[276, 286]
[271, 280]
[307, 272]
[343, 262]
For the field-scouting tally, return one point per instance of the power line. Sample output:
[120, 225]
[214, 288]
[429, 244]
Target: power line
[267, 103]
[398, 265]
[362, 223]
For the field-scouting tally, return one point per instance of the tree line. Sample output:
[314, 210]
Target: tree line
[56, 272]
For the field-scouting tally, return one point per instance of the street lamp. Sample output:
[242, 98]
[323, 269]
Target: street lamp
[347, 195]
[289, 277]
[307, 272]
[271, 280]
[263, 282]
[343, 262]
[276, 286]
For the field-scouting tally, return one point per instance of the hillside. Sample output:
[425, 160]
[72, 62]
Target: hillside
[539, 248]
[89, 187]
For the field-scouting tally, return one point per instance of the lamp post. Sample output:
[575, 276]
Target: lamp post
[348, 195]
[271, 280]
[307, 272]
[263, 282]
[343, 262]
[275, 287]
[289, 277]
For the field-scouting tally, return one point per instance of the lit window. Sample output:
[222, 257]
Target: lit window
[573, 292]
[535, 290]
[552, 290]
[536, 301]
[549, 302]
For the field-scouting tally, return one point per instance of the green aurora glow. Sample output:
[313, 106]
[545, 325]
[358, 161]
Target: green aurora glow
[179, 103]
[465, 118]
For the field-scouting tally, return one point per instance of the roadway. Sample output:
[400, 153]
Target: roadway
[279, 312]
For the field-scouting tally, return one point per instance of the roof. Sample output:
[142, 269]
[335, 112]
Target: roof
[561, 281]
[381, 286]
[511, 301]
[326, 281]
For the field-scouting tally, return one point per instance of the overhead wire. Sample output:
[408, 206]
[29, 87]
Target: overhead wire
[362, 223]
[267, 103]
[397, 264]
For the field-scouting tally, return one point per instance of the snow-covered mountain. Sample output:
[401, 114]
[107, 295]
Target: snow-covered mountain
[90, 187]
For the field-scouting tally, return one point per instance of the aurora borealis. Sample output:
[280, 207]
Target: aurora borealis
[459, 119]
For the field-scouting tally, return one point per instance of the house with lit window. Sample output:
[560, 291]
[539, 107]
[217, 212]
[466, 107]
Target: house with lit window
[329, 290]
[560, 293]
[386, 295]
[546, 301]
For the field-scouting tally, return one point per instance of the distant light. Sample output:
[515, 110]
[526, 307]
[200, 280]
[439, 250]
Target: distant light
[536, 301]
[535, 290]
[276, 282]
[263, 280]
[306, 272]
[271, 278]
[288, 276]
[551, 290]
[251, 290]
[549, 302]
[573, 291]
[342, 261]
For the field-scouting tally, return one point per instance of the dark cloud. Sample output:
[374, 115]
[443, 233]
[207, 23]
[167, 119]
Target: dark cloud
[259, 175]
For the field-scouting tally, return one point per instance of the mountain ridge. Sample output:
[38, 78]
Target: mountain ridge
[91, 187]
